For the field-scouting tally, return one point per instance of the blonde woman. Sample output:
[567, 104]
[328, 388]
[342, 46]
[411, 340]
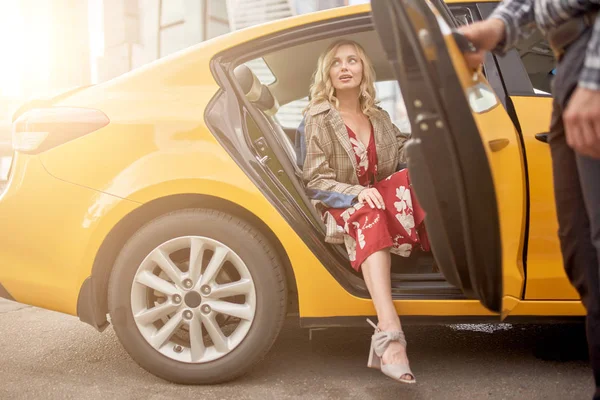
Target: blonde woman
[352, 154]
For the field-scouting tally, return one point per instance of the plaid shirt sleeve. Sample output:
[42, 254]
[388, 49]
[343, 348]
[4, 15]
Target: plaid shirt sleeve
[590, 74]
[317, 174]
[519, 19]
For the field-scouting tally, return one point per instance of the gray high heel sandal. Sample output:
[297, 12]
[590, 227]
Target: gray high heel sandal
[379, 344]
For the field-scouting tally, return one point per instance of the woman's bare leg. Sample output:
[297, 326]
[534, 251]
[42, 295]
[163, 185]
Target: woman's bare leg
[377, 273]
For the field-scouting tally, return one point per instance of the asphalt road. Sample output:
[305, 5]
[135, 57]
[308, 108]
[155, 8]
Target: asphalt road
[46, 355]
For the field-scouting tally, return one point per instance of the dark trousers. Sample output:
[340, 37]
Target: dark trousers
[577, 192]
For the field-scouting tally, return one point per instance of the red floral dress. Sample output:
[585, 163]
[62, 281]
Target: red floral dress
[367, 230]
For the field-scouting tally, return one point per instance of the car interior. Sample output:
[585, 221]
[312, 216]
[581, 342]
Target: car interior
[285, 85]
[538, 60]
[292, 84]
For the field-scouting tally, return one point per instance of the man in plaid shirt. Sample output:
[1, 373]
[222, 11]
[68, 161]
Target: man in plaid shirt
[573, 32]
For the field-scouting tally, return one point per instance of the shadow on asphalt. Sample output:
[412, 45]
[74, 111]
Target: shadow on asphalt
[548, 342]
[49, 355]
[477, 346]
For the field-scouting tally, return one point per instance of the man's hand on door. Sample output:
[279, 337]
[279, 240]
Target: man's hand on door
[582, 122]
[485, 35]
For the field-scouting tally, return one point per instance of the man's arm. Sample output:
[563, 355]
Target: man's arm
[519, 20]
[582, 115]
[509, 22]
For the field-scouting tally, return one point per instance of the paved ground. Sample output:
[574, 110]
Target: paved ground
[46, 355]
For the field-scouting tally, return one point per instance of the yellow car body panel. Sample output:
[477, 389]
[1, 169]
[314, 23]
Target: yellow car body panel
[507, 166]
[48, 228]
[56, 217]
[546, 277]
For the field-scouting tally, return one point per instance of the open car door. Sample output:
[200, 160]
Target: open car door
[461, 139]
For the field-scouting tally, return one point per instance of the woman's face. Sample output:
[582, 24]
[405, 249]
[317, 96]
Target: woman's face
[346, 70]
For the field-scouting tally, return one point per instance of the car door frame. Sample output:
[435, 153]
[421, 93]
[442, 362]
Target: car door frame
[243, 152]
[221, 66]
[231, 98]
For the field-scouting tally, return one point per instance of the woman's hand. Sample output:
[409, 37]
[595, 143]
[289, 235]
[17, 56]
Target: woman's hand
[372, 197]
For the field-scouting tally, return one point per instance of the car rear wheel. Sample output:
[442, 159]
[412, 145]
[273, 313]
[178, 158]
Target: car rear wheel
[197, 296]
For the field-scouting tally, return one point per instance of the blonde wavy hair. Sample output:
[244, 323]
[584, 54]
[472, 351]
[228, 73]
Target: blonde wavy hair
[322, 88]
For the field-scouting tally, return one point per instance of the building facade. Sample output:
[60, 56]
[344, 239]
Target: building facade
[136, 32]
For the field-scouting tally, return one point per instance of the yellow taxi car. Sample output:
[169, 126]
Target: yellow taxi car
[167, 200]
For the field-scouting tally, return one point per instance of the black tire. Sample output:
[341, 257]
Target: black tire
[262, 262]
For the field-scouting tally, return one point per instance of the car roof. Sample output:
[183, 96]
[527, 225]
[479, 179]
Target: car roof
[271, 27]
[293, 83]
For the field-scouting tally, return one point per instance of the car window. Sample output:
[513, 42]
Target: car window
[388, 93]
[391, 100]
[538, 59]
[261, 70]
[289, 115]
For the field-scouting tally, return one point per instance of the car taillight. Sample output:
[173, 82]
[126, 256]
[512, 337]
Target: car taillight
[41, 129]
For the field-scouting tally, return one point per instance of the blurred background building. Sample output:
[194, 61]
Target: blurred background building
[51, 45]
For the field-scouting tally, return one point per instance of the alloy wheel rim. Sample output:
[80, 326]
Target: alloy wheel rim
[193, 299]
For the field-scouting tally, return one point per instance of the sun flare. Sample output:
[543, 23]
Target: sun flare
[25, 44]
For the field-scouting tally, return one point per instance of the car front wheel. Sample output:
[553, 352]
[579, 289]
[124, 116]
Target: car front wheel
[197, 296]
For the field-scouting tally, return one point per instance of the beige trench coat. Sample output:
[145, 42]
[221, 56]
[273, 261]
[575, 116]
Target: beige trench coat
[329, 171]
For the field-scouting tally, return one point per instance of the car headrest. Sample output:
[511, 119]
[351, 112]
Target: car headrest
[248, 81]
[267, 102]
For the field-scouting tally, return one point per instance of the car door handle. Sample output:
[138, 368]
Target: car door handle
[498, 144]
[542, 137]
[464, 44]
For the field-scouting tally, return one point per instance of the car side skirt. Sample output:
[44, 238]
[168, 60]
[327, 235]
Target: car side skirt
[525, 312]
[360, 321]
